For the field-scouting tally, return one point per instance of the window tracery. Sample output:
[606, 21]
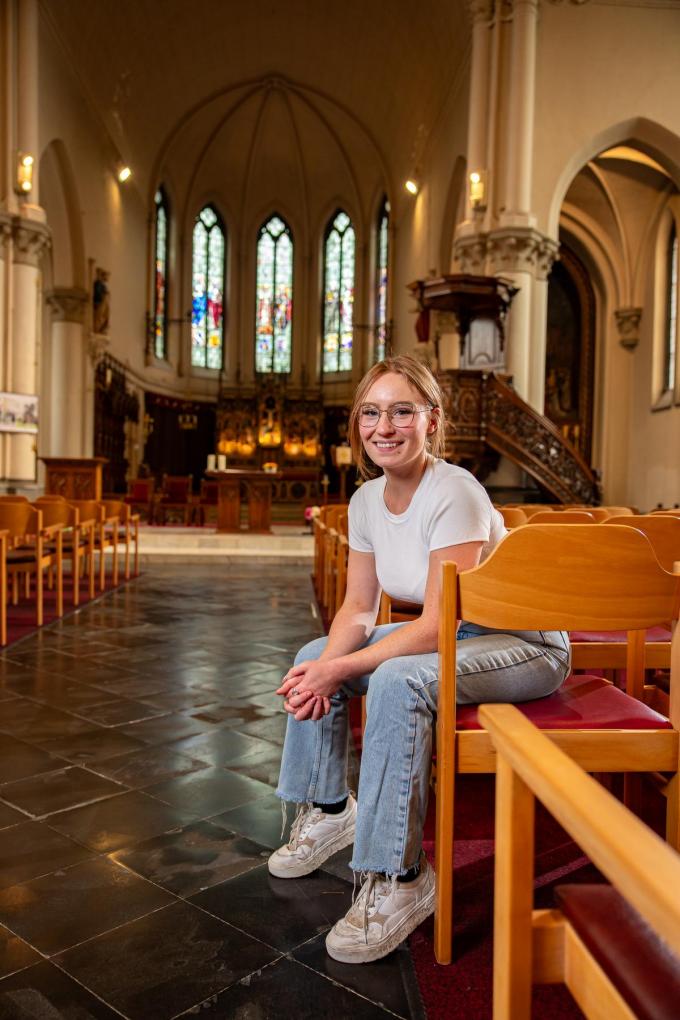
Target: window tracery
[160, 299]
[274, 297]
[338, 294]
[207, 290]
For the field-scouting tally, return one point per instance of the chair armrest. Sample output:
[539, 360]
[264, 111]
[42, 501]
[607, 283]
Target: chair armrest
[51, 529]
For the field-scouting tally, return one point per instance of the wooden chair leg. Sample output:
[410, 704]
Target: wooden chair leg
[126, 570]
[443, 919]
[90, 565]
[39, 595]
[60, 578]
[15, 589]
[672, 793]
[27, 585]
[102, 561]
[136, 548]
[50, 578]
[115, 557]
[513, 896]
[75, 573]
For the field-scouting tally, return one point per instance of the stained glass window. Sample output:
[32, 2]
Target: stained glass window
[338, 294]
[160, 319]
[671, 337]
[207, 289]
[274, 297]
[381, 270]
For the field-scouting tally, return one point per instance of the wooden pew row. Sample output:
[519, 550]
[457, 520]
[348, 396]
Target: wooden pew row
[617, 948]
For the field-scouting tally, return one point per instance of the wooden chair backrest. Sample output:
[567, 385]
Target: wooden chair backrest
[14, 499]
[20, 519]
[662, 532]
[513, 516]
[636, 861]
[209, 490]
[57, 512]
[550, 577]
[177, 488]
[562, 517]
[619, 511]
[141, 489]
[90, 509]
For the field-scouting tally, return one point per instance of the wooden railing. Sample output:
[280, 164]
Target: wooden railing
[485, 415]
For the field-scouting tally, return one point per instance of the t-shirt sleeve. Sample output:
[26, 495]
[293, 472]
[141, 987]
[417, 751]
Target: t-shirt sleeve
[462, 513]
[359, 538]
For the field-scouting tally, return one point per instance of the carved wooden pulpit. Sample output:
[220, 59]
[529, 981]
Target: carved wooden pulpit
[74, 477]
[256, 486]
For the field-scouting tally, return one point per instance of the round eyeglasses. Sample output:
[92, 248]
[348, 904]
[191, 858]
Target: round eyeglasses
[400, 415]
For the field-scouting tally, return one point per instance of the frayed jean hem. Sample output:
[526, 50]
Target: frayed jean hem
[307, 800]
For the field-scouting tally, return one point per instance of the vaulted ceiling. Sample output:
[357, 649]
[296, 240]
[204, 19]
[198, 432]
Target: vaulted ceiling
[282, 94]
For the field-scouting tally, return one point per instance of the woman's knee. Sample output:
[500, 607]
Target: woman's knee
[396, 680]
[312, 650]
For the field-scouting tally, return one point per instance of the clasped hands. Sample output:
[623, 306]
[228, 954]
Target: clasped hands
[307, 688]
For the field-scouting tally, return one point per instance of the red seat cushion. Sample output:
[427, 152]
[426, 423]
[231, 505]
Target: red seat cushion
[582, 703]
[640, 966]
[653, 634]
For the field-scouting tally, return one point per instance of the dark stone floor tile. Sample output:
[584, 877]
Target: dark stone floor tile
[18, 760]
[208, 792]
[219, 748]
[229, 715]
[282, 912]
[195, 858]
[147, 766]
[43, 992]
[264, 766]
[10, 816]
[115, 713]
[272, 728]
[15, 954]
[37, 722]
[61, 910]
[169, 961]
[92, 746]
[186, 698]
[32, 849]
[306, 995]
[56, 791]
[66, 695]
[119, 821]
[381, 982]
[166, 729]
[261, 820]
[100, 673]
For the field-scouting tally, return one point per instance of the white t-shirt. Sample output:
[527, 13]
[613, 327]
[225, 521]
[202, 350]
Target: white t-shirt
[449, 507]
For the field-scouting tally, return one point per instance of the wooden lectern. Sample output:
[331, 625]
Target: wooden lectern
[74, 477]
[257, 488]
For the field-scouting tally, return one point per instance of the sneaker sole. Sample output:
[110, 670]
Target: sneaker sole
[316, 860]
[367, 954]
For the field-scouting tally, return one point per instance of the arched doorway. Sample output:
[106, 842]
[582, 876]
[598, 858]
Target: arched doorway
[570, 351]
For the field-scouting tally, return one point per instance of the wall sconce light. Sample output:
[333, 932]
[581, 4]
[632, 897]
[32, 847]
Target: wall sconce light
[187, 421]
[412, 186]
[24, 184]
[477, 183]
[124, 174]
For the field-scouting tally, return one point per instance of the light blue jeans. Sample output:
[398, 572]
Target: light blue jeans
[397, 751]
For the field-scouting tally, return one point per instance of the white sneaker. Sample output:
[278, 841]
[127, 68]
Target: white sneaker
[384, 913]
[314, 837]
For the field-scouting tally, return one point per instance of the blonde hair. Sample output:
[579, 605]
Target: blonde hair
[422, 380]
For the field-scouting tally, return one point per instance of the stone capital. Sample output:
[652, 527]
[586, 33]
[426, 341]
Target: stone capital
[68, 304]
[480, 10]
[516, 249]
[5, 230]
[31, 239]
[628, 326]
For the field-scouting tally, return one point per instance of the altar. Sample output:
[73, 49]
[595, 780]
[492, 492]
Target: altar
[252, 485]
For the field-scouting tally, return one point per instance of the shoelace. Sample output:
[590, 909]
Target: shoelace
[374, 888]
[306, 815]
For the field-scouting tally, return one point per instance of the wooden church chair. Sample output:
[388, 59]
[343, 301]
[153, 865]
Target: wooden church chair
[29, 553]
[513, 516]
[341, 571]
[175, 495]
[562, 517]
[319, 532]
[328, 524]
[125, 530]
[615, 946]
[78, 538]
[331, 563]
[141, 497]
[644, 651]
[547, 577]
[106, 531]
[207, 500]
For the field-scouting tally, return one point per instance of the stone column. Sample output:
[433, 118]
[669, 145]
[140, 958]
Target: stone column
[30, 239]
[519, 113]
[479, 111]
[64, 406]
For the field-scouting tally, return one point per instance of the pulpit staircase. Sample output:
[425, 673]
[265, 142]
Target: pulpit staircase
[485, 418]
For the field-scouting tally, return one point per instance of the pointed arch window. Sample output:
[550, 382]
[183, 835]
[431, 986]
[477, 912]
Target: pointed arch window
[160, 294]
[670, 348]
[274, 297]
[381, 279]
[207, 290]
[338, 293]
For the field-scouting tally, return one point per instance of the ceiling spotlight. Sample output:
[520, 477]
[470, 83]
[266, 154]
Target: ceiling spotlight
[124, 174]
[411, 186]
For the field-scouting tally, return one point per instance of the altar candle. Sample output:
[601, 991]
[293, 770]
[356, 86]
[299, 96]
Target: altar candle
[221, 462]
[212, 460]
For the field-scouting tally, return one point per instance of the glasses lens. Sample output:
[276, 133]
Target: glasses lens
[401, 415]
[369, 415]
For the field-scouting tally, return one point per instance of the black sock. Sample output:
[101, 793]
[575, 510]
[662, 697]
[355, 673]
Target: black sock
[333, 809]
[411, 874]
